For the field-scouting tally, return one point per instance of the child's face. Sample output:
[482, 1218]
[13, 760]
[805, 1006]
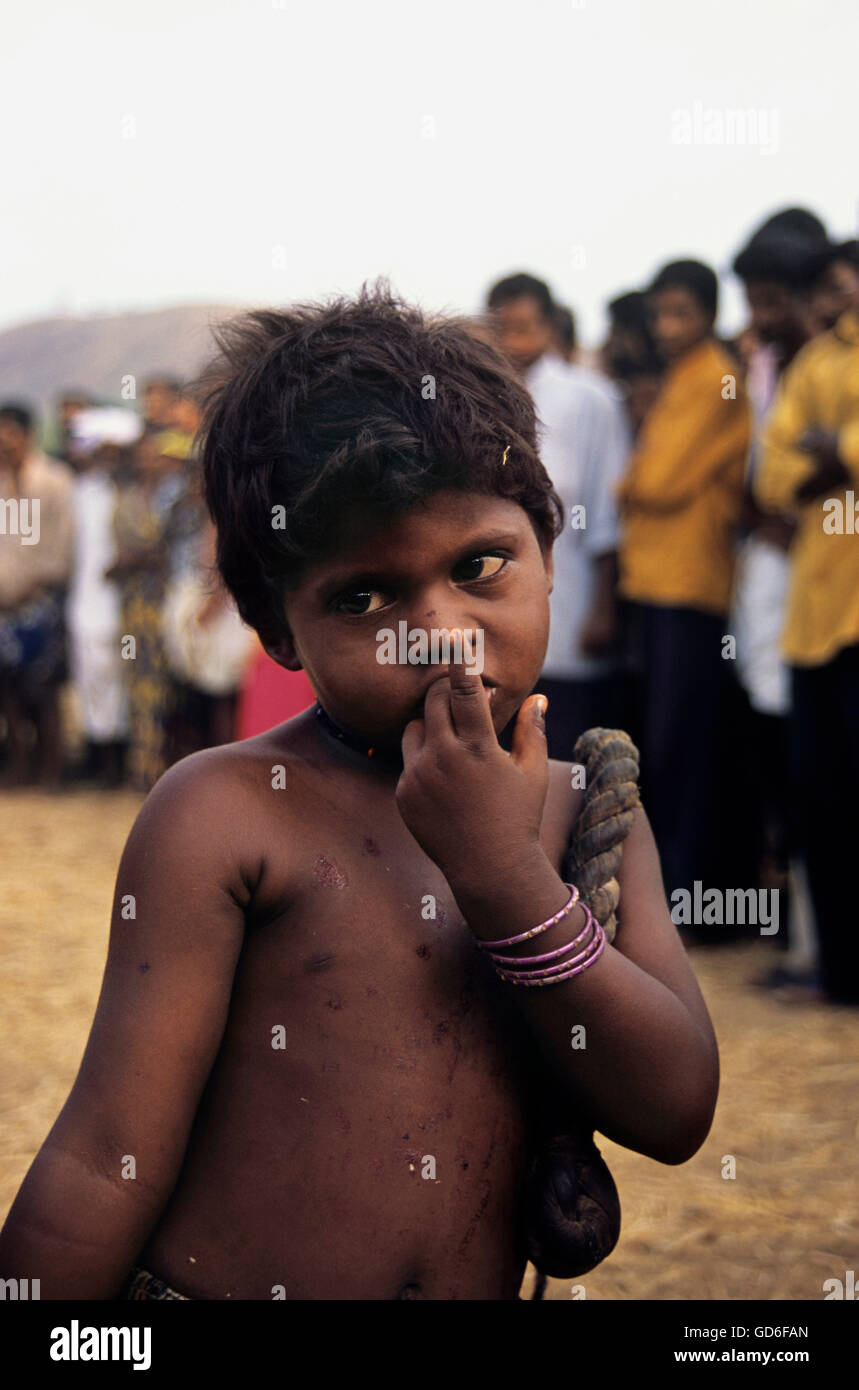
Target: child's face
[458, 560]
[679, 321]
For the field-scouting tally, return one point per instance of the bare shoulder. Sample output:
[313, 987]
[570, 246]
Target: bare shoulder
[216, 807]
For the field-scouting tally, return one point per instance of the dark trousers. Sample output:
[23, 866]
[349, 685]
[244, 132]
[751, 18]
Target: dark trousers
[682, 701]
[824, 745]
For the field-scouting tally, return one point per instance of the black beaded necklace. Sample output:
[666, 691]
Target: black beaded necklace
[351, 740]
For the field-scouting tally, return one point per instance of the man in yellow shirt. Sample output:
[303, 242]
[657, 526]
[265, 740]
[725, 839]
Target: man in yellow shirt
[681, 504]
[810, 471]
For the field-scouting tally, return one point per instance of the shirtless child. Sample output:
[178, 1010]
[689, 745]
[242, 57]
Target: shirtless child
[286, 1033]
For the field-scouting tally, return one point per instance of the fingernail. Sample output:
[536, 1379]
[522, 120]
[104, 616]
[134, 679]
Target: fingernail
[542, 706]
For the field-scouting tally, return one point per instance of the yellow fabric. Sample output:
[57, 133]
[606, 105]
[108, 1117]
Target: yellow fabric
[175, 444]
[682, 497]
[821, 387]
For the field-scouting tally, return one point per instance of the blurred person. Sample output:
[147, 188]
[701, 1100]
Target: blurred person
[774, 267]
[186, 414]
[681, 502]
[209, 650]
[36, 547]
[744, 346]
[629, 336]
[521, 312]
[93, 611]
[584, 445]
[629, 355]
[833, 280]
[160, 396]
[809, 471]
[188, 510]
[69, 406]
[565, 342]
[206, 643]
[146, 554]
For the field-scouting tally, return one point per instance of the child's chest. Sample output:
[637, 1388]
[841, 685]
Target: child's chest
[363, 979]
[352, 913]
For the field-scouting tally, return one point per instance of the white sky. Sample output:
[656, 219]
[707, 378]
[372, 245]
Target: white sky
[302, 125]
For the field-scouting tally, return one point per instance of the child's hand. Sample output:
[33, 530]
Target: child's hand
[474, 809]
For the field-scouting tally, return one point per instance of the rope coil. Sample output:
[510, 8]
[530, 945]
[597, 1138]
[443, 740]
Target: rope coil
[571, 1202]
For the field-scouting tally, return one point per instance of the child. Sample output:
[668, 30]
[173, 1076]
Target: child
[320, 1084]
[682, 501]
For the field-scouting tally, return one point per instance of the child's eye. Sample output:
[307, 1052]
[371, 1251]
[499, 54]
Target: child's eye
[497, 560]
[357, 603]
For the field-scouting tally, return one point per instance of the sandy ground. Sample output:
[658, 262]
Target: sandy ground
[788, 1110]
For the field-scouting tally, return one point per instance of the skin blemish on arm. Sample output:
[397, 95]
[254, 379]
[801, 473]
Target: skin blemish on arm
[370, 847]
[143, 967]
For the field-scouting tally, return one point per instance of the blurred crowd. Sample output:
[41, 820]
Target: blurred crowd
[116, 596]
[706, 589]
[706, 586]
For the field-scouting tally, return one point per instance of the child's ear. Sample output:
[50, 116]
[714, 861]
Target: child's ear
[282, 650]
[550, 567]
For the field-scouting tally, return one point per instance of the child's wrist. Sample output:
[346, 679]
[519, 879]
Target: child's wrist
[503, 901]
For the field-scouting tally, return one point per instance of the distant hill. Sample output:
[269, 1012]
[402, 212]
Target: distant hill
[38, 360]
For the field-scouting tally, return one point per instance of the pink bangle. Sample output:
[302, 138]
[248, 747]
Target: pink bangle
[538, 979]
[543, 926]
[561, 967]
[550, 955]
[591, 924]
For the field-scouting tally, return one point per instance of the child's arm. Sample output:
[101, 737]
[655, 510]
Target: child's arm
[77, 1223]
[649, 1073]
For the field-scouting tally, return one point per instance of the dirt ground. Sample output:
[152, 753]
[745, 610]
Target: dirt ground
[788, 1109]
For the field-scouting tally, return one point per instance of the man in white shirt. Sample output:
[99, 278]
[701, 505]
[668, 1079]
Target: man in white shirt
[584, 442]
[93, 613]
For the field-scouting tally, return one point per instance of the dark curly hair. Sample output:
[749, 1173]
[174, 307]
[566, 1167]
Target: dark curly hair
[359, 401]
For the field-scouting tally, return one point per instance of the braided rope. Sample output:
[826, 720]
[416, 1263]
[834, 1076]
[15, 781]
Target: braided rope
[592, 861]
[570, 1235]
